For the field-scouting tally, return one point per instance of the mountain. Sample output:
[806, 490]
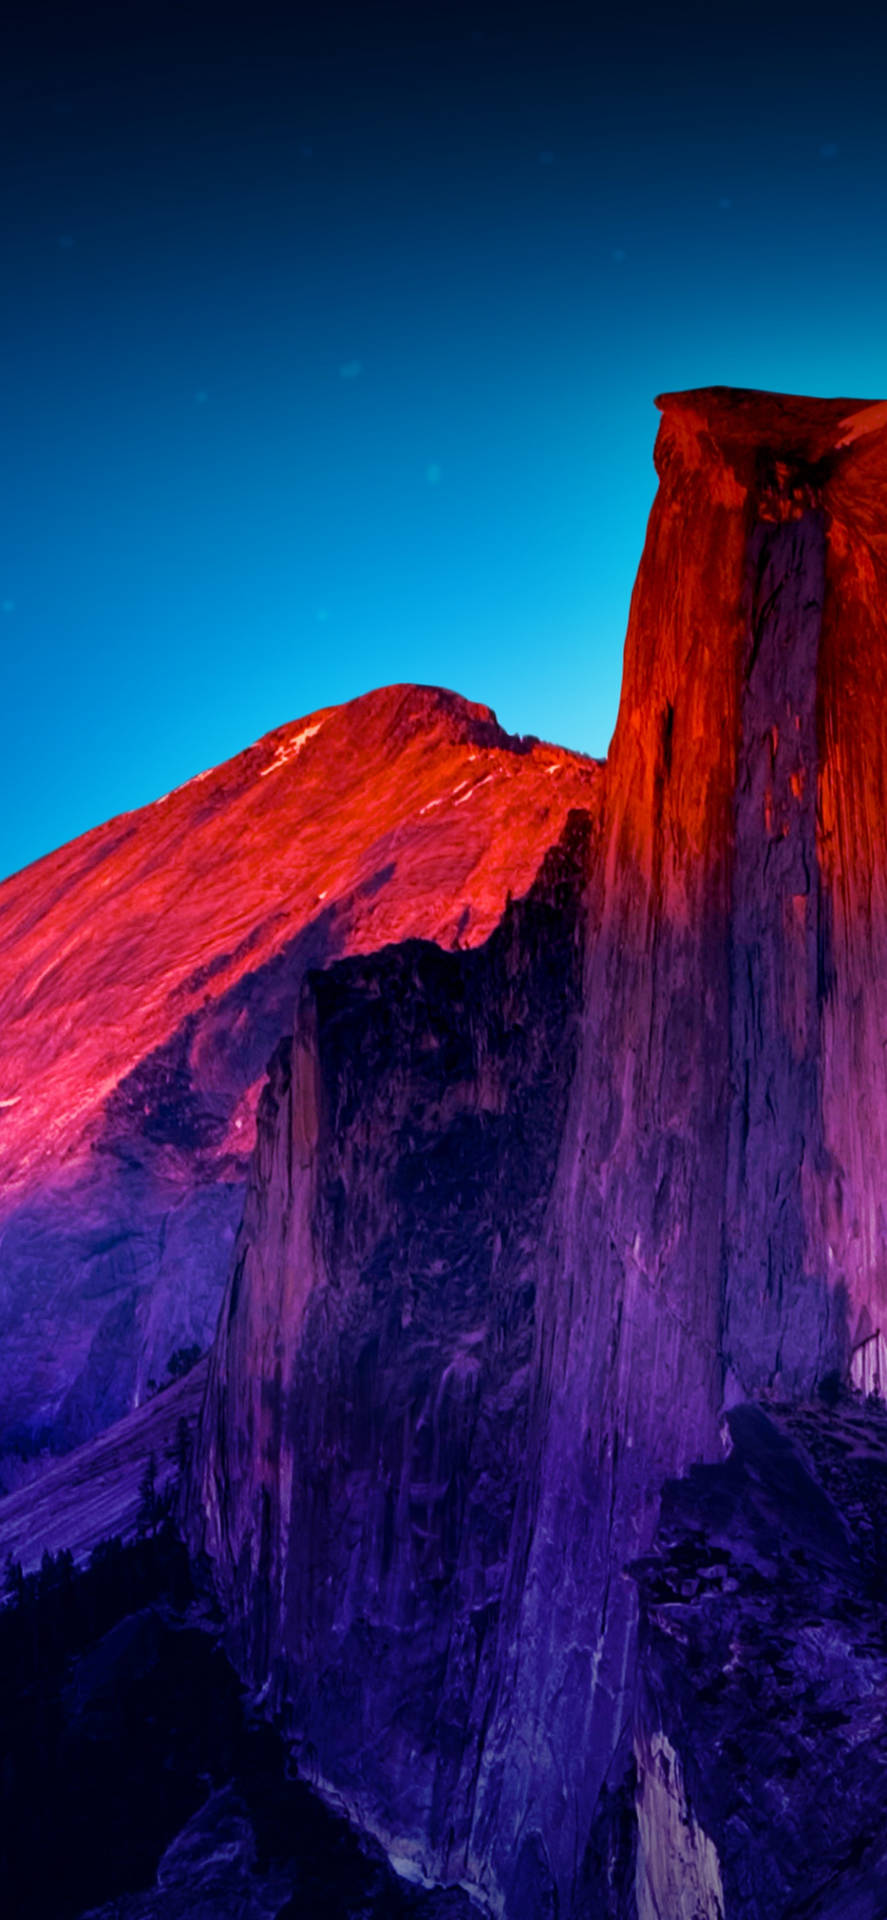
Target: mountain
[148, 970]
[538, 1231]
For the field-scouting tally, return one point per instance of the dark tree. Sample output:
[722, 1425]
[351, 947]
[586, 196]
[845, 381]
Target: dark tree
[149, 1511]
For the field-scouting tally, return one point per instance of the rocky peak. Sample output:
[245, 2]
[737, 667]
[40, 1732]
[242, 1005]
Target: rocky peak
[148, 970]
[383, 722]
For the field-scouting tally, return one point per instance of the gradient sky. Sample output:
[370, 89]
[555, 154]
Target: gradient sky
[329, 350]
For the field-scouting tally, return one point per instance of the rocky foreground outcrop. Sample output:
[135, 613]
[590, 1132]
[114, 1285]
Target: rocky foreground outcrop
[148, 970]
[760, 1779]
[523, 1224]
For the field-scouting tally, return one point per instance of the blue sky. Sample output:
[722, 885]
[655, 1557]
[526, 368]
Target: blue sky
[328, 355]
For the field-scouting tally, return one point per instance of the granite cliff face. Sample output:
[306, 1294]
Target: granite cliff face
[368, 1410]
[147, 972]
[523, 1223]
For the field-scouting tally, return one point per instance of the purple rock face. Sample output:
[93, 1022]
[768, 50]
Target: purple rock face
[369, 1407]
[522, 1223]
[777, 959]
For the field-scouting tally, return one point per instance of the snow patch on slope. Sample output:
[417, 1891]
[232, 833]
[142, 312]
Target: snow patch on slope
[867, 420]
[289, 749]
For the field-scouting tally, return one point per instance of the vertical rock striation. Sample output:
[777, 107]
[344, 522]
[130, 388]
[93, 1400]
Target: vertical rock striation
[432, 1451]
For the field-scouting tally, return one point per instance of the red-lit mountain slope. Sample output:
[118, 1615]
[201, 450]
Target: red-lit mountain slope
[148, 970]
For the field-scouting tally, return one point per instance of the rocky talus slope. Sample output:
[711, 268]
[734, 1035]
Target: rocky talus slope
[148, 970]
[760, 1734]
[522, 1224]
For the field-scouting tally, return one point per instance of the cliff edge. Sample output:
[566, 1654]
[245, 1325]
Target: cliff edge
[523, 1224]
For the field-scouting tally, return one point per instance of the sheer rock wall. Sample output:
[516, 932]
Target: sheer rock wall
[425, 1499]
